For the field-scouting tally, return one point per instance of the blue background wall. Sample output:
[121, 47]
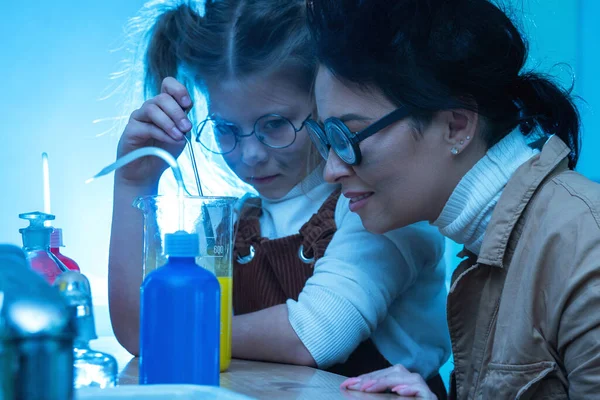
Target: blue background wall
[55, 64]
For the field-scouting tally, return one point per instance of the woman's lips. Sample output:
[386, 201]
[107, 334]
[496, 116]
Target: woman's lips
[358, 199]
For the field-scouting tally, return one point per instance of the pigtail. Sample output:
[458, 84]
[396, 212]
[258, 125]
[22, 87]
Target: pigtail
[161, 58]
[550, 107]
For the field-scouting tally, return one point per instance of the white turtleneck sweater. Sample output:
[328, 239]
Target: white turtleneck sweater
[466, 215]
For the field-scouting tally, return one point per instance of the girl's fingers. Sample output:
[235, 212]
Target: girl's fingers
[152, 113]
[173, 110]
[146, 130]
[179, 92]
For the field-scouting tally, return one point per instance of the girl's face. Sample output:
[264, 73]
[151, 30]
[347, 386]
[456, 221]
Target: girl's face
[406, 175]
[272, 172]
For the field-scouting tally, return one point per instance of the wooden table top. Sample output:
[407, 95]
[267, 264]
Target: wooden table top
[255, 379]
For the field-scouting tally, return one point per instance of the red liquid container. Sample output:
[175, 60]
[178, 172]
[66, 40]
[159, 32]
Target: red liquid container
[36, 244]
[56, 242]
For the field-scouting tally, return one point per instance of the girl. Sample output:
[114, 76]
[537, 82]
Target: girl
[311, 286]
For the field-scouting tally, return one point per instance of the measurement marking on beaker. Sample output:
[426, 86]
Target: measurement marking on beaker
[213, 249]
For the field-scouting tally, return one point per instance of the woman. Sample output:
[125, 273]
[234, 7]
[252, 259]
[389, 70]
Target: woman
[311, 286]
[429, 116]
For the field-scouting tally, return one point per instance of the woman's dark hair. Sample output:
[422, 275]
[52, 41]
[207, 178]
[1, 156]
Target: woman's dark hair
[433, 55]
[233, 39]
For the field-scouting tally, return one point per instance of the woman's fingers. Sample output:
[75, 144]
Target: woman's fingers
[405, 390]
[396, 378]
[349, 382]
[420, 391]
[357, 382]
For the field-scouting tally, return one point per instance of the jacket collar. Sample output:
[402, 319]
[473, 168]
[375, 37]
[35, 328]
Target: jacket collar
[515, 197]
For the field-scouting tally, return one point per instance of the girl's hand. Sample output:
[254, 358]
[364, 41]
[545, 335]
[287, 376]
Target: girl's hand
[160, 122]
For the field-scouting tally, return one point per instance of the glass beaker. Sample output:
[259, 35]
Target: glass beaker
[212, 219]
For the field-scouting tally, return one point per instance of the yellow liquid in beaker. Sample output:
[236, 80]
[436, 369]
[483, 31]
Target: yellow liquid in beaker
[226, 314]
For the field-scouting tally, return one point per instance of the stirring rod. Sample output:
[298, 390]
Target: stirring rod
[46, 178]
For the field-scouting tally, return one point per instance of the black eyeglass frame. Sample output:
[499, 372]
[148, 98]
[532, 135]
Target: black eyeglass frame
[323, 135]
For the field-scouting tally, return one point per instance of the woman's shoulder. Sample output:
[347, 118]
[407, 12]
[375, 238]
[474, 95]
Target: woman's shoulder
[569, 199]
[581, 190]
[557, 251]
[559, 234]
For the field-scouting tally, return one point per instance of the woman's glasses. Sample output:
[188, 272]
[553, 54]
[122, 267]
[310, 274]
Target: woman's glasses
[335, 134]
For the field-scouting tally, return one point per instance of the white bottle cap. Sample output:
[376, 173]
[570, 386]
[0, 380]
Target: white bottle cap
[56, 239]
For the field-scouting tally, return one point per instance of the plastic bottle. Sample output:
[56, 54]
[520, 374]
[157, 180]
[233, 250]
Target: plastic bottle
[36, 244]
[56, 242]
[179, 324]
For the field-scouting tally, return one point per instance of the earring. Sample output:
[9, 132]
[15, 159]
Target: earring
[468, 137]
[454, 151]
[462, 141]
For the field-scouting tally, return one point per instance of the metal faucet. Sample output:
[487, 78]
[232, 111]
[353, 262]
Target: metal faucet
[36, 333]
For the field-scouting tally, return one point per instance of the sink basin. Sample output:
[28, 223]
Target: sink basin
[156, 392]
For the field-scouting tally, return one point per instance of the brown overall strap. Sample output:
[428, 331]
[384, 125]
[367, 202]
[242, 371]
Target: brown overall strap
[277, 273]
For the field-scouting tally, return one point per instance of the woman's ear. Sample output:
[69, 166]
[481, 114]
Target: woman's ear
[462, 126]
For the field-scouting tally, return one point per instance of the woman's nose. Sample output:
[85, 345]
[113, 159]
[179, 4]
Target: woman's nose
[335, 168]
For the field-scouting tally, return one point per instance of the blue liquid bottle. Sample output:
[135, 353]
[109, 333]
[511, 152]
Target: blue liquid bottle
[179, 324]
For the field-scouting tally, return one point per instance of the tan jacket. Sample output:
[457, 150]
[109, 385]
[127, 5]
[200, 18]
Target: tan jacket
[524, 317]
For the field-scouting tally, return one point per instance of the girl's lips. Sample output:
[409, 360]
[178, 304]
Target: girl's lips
[262, 180]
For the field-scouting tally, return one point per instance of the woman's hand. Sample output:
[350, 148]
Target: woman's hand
[160, 122]
[397, 379]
